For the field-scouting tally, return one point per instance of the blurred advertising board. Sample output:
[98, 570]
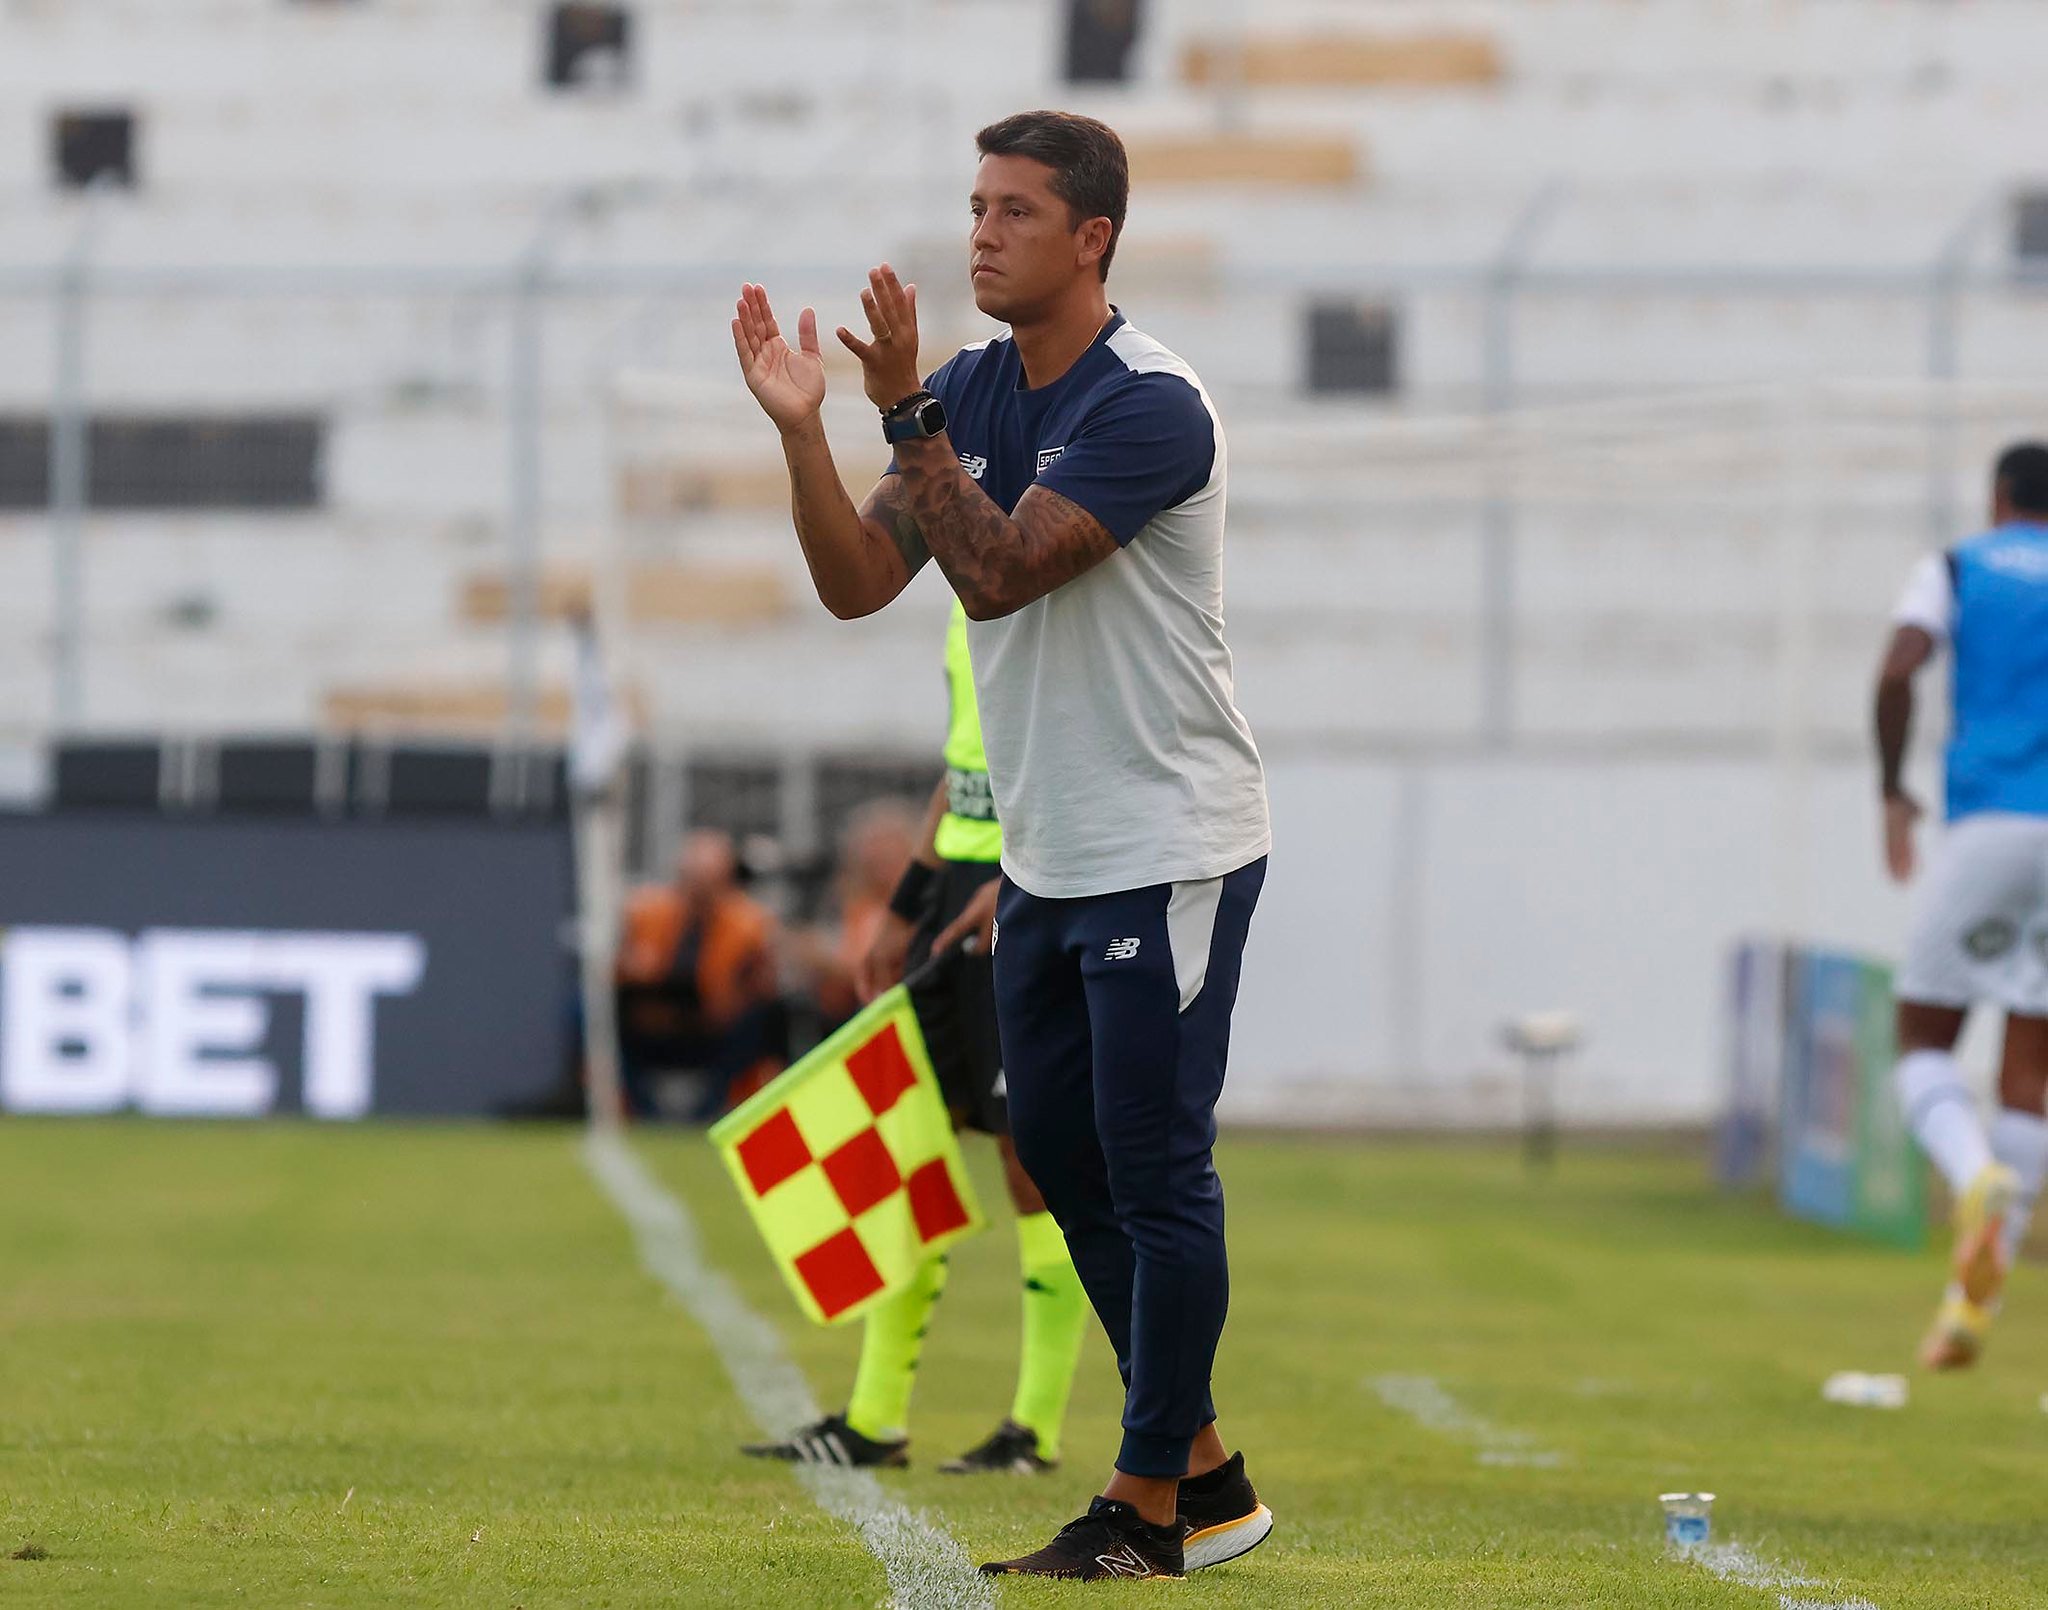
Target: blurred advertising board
[237, 967]
[1811, 1050]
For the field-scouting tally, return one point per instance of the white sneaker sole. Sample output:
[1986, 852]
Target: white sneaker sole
[1228, 1541]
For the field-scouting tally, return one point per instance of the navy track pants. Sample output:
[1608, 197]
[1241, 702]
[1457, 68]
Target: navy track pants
[1114, 1011]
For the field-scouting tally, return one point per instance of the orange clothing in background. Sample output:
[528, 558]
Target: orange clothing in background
[735, 948]
[860, 919]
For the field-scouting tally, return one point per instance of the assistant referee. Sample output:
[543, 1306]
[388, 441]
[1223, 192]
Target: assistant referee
[1068, 476]
[945, 907]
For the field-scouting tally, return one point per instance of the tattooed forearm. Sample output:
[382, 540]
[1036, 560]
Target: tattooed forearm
[858, 563]
[887, 511]
[979, 547]
[996, 563]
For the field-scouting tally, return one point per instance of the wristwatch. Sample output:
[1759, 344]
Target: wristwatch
[918, 415]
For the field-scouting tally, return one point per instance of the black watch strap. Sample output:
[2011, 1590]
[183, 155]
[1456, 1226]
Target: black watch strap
[919, 415]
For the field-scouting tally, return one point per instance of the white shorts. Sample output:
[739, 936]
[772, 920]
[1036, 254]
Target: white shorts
[1980, 924]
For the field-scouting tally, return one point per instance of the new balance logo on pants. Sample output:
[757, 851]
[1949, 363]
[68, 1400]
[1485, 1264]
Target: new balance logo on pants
[1120, 950]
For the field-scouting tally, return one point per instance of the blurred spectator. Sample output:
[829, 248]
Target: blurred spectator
[878, 842]
[697, 979]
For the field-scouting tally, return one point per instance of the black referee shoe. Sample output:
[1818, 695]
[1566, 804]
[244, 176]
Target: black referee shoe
[831, 1441]
[1012, 1450]
[1222, 1516]
[1111, 1540]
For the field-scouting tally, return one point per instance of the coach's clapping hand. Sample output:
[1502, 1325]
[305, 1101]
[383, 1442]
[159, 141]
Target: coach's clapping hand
[788, 382]
[889, 362]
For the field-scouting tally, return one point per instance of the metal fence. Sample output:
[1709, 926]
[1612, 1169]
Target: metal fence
[475, 401]
[473, 446]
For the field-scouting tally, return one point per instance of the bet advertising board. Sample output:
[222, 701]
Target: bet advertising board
[238, 967]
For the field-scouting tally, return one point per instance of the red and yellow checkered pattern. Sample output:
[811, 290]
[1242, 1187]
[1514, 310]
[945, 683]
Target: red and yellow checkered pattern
[849, 1165]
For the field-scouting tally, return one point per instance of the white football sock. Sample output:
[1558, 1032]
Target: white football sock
[2020, 1141]
[1942, 1116]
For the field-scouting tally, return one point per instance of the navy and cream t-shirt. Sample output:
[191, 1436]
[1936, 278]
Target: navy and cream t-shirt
[1116, 753]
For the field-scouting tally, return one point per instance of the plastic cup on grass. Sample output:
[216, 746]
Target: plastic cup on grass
[1688, 1518]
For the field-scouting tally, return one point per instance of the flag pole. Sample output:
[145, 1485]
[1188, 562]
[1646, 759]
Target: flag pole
[597, 748]
[928, 969]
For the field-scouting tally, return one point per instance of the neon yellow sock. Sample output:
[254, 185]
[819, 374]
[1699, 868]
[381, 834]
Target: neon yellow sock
[1055, 1316]
[891, 1340]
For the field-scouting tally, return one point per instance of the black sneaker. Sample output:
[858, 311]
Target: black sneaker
[1221, 1515]
[1111, 1540]
[1011, 1451]
[832, 1442]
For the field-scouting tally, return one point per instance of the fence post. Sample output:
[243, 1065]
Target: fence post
[70, 472]
[522, 532]
[532, 280]
[1233, 21]
[1497, 515]
[1796, 586]
[1945, 277]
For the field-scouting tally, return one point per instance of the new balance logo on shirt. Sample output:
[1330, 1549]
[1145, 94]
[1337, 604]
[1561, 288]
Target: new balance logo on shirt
[974, 464]
[1120, 950]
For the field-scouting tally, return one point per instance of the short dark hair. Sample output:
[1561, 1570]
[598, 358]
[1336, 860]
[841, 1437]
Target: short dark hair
[1090, 171]
[2022, 475]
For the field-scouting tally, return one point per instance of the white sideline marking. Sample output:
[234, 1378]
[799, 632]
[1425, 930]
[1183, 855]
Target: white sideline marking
[1732, 1562]
[927, 1568]
[1423, 1399]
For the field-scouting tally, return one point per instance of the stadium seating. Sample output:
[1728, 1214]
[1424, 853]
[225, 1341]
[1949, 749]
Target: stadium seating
[279, 777]
[1341, 147]
[108, 775]
[330, 203]
[654, 594]
[1237, 158]
[1335, 60]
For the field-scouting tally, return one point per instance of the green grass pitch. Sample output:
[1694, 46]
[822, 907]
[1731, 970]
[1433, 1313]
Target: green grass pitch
[305, 1365]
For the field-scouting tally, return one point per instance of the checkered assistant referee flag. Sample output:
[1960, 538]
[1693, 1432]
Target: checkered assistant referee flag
[849, 1166]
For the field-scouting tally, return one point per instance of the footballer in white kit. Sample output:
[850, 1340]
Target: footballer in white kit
[1980, 925]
